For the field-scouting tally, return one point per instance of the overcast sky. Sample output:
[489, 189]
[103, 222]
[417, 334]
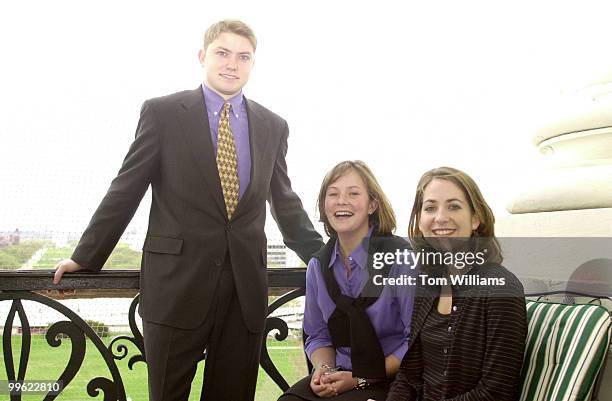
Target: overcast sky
[405, 86]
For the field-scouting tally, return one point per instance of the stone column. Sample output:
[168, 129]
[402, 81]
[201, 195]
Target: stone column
[572, 195]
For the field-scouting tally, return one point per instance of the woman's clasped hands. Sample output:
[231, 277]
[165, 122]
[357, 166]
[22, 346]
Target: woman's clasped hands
[329, 382]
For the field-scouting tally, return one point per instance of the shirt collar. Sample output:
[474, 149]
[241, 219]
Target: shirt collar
[359, 255]
[214, 101]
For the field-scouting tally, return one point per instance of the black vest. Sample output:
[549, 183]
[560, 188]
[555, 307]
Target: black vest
[349, 325]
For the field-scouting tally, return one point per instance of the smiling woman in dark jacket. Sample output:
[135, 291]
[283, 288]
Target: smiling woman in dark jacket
[467, 340]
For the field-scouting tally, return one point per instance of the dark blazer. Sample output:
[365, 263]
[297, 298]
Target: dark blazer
[487, 332]
[189, 233]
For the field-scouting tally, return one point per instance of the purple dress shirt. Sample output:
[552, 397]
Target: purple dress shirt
[240, 128]
[390, 314]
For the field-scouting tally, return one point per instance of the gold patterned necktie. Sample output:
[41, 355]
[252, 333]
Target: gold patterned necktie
[227, 162]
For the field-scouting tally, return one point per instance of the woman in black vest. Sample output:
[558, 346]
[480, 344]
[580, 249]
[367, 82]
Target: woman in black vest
[356, 326]
[469, 326]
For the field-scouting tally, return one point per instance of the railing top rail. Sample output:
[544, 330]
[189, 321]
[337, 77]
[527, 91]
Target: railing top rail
[35, 280]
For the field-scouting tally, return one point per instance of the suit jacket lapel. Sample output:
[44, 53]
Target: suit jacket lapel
[259, 136]
[194, 121]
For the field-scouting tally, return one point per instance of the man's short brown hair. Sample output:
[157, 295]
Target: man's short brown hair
[232, 26]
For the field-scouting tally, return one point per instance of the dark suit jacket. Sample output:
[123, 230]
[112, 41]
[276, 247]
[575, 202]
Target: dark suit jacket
[189, 233]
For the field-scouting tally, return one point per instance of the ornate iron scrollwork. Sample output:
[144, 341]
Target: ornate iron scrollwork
[137, 340]
[76, 329]
[107, 386]
[77, 353]
[7, 348]
[275, 323]
[121, 350]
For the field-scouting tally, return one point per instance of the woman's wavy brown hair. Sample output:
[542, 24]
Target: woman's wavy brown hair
[485, 231]
[383, 218]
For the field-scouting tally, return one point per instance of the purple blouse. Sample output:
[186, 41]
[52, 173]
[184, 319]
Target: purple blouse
[390, 314]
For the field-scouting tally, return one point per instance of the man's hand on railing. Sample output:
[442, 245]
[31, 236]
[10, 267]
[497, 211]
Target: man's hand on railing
[65, 266]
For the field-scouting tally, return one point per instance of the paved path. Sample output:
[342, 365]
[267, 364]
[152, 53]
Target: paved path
[34, 259]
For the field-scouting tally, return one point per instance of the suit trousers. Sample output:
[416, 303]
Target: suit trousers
[232, 352]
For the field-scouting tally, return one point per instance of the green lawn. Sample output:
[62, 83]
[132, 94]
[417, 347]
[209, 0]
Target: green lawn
[47, 363]
[122, 257]
[52, 256]
[13, 256]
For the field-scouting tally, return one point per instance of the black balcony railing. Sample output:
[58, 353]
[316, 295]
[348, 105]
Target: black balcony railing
[31, 285]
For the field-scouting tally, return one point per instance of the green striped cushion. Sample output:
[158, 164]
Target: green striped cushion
[566, 347]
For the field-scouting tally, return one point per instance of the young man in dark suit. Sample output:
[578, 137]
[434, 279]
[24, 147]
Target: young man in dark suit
[212, 158]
